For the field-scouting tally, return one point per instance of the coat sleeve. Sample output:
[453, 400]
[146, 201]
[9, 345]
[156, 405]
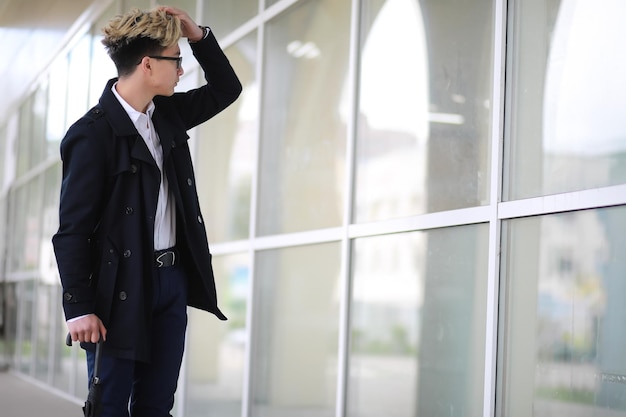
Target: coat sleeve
[83, 182]
[221, 89]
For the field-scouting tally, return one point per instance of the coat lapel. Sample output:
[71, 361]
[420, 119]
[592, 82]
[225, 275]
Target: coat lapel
[123, 126]
[169, 135]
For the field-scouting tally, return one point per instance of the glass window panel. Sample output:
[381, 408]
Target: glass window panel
[24, 241]
[31, 131]
[9, 303]
[31, 141]
[44, 321]
[564, 331]
[225, 16]
[567, 130]
[51, 321]
[50, 222]
[15, 235]
[62, 362]
[57, 97]
[424, 120]
[80, 372]
[418, 324]
[102, 67]
[140, 4]
[40, 151]
[25, 325]
[32, 226]
[4, 151]
[301, 184]
[216, 351]
[7, 299]
[294, 369]
[77, 100]
[24, 136]
[187, 5]
[225, 153]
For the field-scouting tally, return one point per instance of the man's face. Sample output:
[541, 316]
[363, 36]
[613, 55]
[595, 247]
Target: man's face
[166, 70]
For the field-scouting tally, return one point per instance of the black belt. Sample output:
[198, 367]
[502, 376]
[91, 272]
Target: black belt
[165, 257]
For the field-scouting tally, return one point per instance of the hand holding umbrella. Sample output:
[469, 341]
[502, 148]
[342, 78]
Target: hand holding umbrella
[93, 404]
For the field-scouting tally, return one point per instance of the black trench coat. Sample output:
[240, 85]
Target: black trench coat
[108, 202]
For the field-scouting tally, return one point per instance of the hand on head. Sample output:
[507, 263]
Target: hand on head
[190, 29]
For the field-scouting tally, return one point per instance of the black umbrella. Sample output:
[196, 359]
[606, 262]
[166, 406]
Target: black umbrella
[93, 405]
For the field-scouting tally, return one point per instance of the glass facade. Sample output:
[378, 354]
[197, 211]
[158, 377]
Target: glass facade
[303, 140]
[295, 347]
[566, 95]
[564, 328]
[423, 126]
[418, 323]
[416, 208]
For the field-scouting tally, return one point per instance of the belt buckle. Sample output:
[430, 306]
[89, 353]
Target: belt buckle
[160, 260]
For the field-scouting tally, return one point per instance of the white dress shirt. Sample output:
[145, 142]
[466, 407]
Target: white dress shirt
[165, 218]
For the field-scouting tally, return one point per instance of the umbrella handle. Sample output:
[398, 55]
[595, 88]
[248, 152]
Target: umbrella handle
[96, 366]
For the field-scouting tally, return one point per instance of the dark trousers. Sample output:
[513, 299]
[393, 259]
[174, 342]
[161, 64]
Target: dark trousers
[147, 389]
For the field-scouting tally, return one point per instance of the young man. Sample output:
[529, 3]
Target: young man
[131, 247]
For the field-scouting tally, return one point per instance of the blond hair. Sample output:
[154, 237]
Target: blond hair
[155, 24]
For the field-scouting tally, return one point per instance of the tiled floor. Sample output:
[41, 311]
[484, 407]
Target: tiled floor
[20, 398]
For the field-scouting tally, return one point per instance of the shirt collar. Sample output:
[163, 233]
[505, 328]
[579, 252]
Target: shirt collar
[132, 113]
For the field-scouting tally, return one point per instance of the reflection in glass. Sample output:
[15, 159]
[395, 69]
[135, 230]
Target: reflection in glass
[294, 366]
[424, 114]
[567, 128]
[216, 350]
[225, 153]
[303, 136]
[418, 324]
[564, 329]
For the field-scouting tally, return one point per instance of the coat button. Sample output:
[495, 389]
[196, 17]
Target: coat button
[199, 219]
[68, 296]
[127, 253]
[189, 182]
[123, 295]
[129, 210]
[133, 168]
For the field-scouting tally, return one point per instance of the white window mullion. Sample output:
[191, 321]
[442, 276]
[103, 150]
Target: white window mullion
[495, 195]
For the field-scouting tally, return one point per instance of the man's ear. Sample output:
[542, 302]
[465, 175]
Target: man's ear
[145, 64]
